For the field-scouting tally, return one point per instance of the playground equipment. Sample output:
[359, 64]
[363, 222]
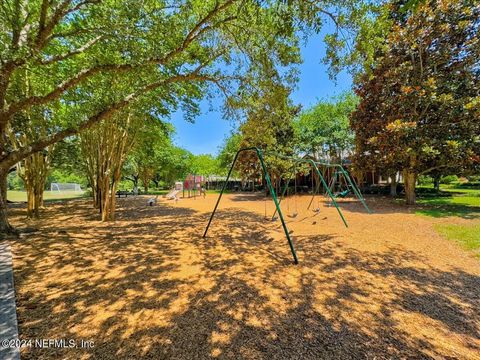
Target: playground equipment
[172, 195]
[259, 154]
[193, 184]
[315, 170]
[152, 201]
[346, 185]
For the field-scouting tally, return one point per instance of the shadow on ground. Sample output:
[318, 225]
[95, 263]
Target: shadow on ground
[149, 286]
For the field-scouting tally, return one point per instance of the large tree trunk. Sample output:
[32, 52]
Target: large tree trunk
[410, 179]
[436, 182]
[393, 185]
[34, 174]
[105, 147]
[5, 227]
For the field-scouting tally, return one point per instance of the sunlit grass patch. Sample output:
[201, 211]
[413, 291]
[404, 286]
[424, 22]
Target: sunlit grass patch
[15, 195]
[451, 202]
[468, 236]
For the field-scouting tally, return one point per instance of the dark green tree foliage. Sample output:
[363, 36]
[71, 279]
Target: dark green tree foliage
[419, 109]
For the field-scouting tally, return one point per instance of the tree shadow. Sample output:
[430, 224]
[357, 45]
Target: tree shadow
[149, 286]
[441, 211]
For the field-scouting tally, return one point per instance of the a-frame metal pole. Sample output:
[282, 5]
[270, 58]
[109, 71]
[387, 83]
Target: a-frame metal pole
[354, 187]
[330, 194]
[277, 205]
[272, 191]
[356, 190]
[221, 192]
[328, 191]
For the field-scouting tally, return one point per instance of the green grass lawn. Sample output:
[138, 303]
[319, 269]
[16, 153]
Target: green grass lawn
[451, 201]
[21, 196]
[14, 195]
[454, 201]
[468, 236]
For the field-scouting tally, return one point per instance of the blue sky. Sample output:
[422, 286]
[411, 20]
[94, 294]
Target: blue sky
[209, 130]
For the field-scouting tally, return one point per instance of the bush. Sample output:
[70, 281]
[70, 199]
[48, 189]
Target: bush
[61, 176]
[431, 193]
[425, 180]
[125, 185]
[449, 179]
[470, 185]
[14, 182]
[474, 178]
[381, 189]
[88, 193]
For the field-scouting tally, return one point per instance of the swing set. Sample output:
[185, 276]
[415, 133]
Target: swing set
[315, 192]
[341, 184]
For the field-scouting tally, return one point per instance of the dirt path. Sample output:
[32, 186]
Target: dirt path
[149, 286]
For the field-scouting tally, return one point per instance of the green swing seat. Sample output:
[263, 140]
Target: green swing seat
[342, 194]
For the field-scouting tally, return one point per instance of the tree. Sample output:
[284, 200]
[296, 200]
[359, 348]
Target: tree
[204, 164]
[130, 171]
[148, 153]
[33, 170]
[104, 148]
[96, 58]
[268, 126]
[227, 151]
[324, 130]
[177, 162]
[420, 106]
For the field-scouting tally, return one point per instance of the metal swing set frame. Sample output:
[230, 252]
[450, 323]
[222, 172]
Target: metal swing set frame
[260, 155]
[340, 170]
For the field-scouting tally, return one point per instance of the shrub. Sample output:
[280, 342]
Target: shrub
[61, 176]
[449, 179]
[474, 178]
[14, 182]
[425, 180]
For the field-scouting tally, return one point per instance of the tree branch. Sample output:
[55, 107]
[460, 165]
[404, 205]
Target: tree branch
[43, 36]
[197, 30]
[71, 32]
[46, 26]
[433, 168]
[71, 53]
[17, 155]
[43, 15]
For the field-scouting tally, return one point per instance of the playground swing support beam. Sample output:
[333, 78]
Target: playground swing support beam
[314, 166]
[347, 178]
[272, 192]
